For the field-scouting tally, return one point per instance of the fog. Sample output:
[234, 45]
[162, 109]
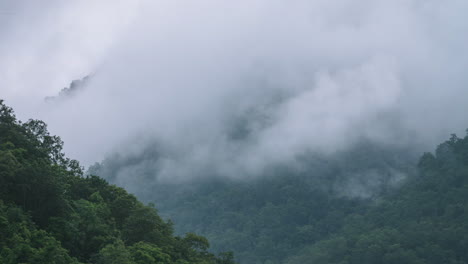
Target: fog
[234, 86]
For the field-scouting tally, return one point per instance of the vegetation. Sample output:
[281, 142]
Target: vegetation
[426, 221]
[295, 218]
[50, 213]
[272, 217]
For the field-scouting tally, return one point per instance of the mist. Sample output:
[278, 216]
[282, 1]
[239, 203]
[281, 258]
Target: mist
[231, 88]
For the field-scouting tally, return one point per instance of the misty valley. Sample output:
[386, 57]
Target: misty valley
[233, 132]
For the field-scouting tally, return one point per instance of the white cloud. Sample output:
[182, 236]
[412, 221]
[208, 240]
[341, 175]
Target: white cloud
[307, 76]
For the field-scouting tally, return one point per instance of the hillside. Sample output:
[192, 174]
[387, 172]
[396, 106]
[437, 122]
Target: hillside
[269, 217]
[373, 204]
[290, 218]
[328, 211]
[51, 213]
[423, 222]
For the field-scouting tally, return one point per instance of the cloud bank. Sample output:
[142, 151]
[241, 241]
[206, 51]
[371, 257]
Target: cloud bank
[230, 87]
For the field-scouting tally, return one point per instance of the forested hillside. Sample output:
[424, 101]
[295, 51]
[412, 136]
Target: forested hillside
[222, 132]
[270, 217]
[292, 219]
[51, 213]
[426, 221]
[373, 204]
[326, 212]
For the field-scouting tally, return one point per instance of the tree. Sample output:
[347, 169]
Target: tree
[115, 253]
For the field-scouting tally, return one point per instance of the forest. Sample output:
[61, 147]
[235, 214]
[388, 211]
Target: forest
[51, 213]
[293, 220]
[223, 132]
[371, 204]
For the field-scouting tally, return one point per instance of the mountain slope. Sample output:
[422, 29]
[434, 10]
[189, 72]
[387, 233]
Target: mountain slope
[272, 216]
[50, 213]
[424, 222]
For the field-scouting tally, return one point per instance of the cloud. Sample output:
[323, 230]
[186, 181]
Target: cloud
[233, 86]
[47, 44]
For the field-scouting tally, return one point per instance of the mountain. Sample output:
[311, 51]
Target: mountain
[423, 222]
[51, 213]
[269, 217]
[290, 218]
[371, 204]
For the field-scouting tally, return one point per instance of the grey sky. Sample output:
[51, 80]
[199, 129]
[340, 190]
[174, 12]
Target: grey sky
[307, 75]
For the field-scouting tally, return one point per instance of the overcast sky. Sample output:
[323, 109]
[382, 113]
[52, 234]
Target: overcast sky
[293, 75]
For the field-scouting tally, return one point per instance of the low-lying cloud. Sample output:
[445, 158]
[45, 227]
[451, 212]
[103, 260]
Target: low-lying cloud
[230, 87]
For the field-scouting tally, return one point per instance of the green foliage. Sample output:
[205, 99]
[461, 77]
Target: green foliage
[262, 220]
[115, 253]
[145, 253]
[294, 217]
[271, 217]
[50, 213]
[21, 242]
[426, 221]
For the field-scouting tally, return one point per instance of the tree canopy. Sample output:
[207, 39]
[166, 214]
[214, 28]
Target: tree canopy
[51, 213]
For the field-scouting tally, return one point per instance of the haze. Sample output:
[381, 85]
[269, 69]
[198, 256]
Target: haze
[236, 85]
